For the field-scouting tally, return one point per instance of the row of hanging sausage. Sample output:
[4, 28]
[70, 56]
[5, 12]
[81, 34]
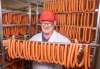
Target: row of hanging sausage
[17, 31]
[63, 54]
[17, 18]
[84, 35]
[60, 6]
[77, 26]
[77, 19]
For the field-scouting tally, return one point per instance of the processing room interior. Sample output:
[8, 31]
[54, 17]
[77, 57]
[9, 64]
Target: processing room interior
[49, 34]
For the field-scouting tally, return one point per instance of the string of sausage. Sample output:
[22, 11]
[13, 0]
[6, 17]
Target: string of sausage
[50, 53]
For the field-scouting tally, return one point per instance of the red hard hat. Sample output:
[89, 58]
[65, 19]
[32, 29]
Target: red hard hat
[47, 16]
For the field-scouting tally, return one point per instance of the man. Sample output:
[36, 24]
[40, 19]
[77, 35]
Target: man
[48, 34]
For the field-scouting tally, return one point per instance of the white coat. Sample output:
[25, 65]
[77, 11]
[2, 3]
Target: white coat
[55, 37]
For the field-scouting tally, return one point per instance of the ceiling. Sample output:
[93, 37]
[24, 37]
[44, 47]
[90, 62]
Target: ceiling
[21, 5]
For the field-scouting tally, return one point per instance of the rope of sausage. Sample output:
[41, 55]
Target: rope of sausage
[78, 34]
[72, 57]
[56, 53]
[86, 55]
[89, 31]
[26, 50]
[22, 50]
[42, 51]
[29, 49]
[14, 48]
[82, 7]
[53, 53]
[65, 55]
[86, 31]
[56, 48]
[39, 46]
[18, 48]
[74, 26]
[81, 22]
[33, 51]
[45, 52]
[36, 50]
[72, 2]
[68, 59]
[62, 47]
[87, 6]
[35, 56]
[11, 49]
[48, 54]
[93, 5]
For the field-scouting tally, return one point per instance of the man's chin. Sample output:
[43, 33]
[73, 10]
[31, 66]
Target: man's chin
[46, 32]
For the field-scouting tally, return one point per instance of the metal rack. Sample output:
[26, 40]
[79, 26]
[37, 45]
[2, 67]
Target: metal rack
[36, 3]
[1, 38]
[96, 61]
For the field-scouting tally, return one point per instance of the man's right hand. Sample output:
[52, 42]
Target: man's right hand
[5, 43]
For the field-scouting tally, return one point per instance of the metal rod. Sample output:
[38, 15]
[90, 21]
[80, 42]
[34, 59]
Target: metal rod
[30, 16]
[37, 12]
[16, 12]
[13, 25]
[12, 62]
[73, 12]
[83, 44]
[97, 38]
[98, 24]
[7, 11]
[93, 28]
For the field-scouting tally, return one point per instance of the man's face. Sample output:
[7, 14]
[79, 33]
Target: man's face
[47, 27]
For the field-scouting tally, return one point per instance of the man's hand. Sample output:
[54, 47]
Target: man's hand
[5, 43]
[80, 49]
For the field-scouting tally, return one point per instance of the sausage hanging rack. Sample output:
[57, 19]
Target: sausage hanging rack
[5, 64]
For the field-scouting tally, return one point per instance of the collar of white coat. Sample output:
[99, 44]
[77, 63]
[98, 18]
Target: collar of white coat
[52, 36]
